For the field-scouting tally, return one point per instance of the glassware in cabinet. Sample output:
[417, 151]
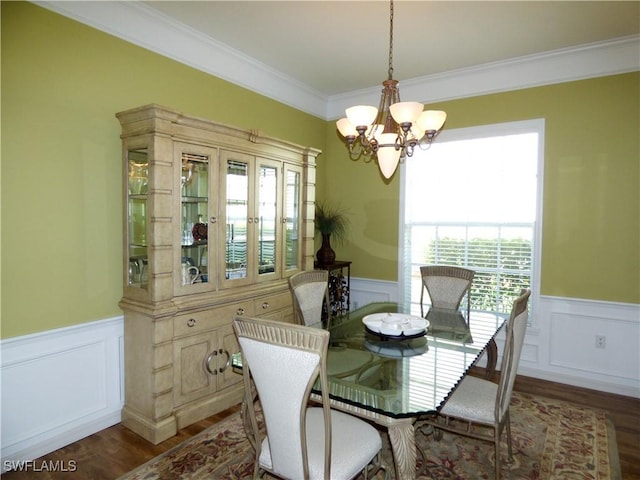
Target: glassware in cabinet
[137, 189]
[196, 215]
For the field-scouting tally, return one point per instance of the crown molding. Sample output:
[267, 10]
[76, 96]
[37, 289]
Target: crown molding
[136, 23]
[141, 25]
[587, 61]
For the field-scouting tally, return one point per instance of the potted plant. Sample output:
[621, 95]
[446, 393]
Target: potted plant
[330, 220]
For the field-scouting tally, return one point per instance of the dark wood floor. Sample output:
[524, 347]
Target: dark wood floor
[116, 450]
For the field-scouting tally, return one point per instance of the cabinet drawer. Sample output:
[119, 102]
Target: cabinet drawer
[202, 321]
[266, 305]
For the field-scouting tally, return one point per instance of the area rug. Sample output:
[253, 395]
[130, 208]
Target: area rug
[551, 440]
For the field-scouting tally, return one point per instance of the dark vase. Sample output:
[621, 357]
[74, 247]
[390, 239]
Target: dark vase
[326, 255]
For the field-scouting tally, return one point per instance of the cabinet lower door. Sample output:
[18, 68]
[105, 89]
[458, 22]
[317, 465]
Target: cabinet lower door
[202, 364]
[228, 346]
[194, 373]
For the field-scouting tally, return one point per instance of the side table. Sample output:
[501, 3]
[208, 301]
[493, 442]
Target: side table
[339, 285]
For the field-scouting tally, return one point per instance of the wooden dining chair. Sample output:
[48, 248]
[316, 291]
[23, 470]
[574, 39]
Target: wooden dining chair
[302, 442]
[446, 286]
[479, 408]
[310, 291]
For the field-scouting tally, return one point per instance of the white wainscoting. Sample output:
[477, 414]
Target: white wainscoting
[59, 386]
[564, 349]
[62, 385]
[560, 345]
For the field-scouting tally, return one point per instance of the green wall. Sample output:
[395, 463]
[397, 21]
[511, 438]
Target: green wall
[591, 211]
[63, 82]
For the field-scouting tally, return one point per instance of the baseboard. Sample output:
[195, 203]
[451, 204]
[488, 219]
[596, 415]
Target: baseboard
[589, 383]
[59, 386]
[37, 448]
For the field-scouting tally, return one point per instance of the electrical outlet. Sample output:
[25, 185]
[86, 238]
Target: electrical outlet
[601, 341]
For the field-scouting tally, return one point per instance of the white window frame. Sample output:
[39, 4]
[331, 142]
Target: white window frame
[470, 133]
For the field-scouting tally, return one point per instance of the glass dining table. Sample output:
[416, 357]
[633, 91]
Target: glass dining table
[393, 380]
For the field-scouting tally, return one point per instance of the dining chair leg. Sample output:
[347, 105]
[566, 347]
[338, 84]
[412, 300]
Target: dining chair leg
[508, 426]
[497, 448]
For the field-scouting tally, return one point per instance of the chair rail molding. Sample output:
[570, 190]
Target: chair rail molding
[59, 386]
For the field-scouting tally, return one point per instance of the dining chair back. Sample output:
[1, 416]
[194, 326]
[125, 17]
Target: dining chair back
[446, 286]
[479, 408]
[302, 442]
[310, 291]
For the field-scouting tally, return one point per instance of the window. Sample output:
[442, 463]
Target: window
[473, 200]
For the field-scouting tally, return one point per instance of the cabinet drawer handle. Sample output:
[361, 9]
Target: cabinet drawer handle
[207, 363]
[226, 364]
[191, 322]
[265, 305]
[213, 220]
[250, 220]
[240, 311]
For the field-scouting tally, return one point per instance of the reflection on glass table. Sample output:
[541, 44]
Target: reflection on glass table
[449, 324]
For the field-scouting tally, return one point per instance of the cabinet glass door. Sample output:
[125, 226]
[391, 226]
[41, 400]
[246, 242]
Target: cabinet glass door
[138, 181]
[197, 218]
[291, 218]
[265, 220]
[237, 185]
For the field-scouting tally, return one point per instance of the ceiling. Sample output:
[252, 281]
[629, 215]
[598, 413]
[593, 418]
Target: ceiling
[323, 56]
[340, 46]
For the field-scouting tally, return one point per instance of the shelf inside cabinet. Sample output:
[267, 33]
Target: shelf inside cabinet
[195, 200]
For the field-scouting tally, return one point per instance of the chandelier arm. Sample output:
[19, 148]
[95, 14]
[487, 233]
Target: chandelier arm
[409, 150]
[355, 152]
[424, 144]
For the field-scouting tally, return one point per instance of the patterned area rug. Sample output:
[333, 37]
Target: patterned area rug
[551, 440]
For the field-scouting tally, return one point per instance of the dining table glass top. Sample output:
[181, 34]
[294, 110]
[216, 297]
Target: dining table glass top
[398, 376]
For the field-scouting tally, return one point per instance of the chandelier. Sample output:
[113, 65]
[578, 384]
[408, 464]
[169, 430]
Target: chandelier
[391, 131]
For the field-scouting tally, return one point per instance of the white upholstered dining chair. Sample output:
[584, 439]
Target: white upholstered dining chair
[310, 291]
[446, 286]
[301, 442]
[479, 408]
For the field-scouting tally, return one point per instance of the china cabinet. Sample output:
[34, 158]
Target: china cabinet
[215, 221]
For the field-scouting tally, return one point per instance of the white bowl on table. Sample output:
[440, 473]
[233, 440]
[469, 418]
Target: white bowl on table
[395, 324]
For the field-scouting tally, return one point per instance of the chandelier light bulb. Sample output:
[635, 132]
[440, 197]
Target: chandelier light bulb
[385, 139]
[388, 158]
[406, 112]
[432, 120]
[361, 115]
[346, 128]
[416, 132]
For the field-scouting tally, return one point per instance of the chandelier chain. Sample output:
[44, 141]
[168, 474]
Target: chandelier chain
[391, 40]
